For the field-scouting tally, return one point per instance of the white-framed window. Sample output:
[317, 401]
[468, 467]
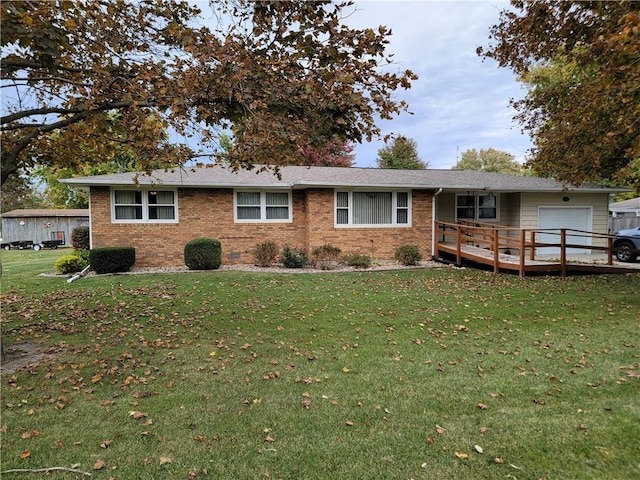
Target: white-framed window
[262, 206]
[144, 205]
[376, 208]
[477, 207]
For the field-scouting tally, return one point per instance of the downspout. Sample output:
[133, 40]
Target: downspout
[433, 222]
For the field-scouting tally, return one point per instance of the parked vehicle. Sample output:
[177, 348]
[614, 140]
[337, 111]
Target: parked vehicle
[627, 244]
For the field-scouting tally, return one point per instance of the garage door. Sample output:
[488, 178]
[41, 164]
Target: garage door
[556, 218]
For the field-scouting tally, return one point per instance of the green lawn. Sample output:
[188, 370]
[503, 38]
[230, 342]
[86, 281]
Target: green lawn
[417, 374]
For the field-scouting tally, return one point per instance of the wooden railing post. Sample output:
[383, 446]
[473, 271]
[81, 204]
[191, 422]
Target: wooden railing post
[496, 250]
[532, 253]
[522, 253]
[458, 245]
[563, 252]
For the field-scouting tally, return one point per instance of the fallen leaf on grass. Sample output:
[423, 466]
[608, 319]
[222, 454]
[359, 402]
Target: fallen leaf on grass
[164, 460]
[478, 448]
[25, 454]
[498, 460]
[137, 415]
[440, 430]
[482, 406]
[349, 423]
[99, 465]
[430, 440]
[462, 455]
[106, 444]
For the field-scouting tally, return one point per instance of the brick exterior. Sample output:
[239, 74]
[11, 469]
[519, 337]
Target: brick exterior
[209, 213]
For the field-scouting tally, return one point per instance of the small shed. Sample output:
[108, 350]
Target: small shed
[38, 225]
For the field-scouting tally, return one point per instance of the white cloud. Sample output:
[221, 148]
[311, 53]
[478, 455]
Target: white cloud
[459, 101]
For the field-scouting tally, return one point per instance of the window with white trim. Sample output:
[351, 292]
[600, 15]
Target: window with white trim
[141, 205]
[262, 206]
[373, 208]
[477, 207]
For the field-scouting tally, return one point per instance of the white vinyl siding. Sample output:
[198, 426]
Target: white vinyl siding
[262, 206]
[144, 206]
[372, 208]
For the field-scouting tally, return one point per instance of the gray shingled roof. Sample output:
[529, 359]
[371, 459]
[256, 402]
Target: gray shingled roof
[626, 205]
[299, 177]
[47, 212]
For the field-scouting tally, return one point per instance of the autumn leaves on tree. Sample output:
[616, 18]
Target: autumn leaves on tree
[113, 77]
[581, 63]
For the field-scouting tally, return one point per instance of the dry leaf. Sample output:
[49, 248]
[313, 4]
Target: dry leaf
[137, 415]
[164, 460]
[270, 439]
[99, 465]
[440, 430]
[345, 370]
[25, 454]
[498, 460]
[462, 455]
[96, 378]
[430, 440]
[482, 406]
[106, 444]
[349, 423]
[478, 448]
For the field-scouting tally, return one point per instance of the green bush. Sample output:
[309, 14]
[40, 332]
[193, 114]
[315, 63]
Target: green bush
[112, 259]
[326, 257]
[71, 263]
[408, 254]
[265, 253]
[80, 238]
[357, 260]
[203, 254]
[294, 257]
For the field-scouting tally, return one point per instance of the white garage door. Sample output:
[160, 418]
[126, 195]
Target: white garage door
[556, 218]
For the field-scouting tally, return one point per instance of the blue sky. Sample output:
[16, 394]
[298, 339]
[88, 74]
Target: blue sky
[459, 101]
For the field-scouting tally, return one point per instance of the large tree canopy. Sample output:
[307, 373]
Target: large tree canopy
[489, 160]
[282, 76]
[402, 153]
[581, 62]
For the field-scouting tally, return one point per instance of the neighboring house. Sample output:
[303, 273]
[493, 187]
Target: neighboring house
[37, 225]
[365, 210]
[624, 215]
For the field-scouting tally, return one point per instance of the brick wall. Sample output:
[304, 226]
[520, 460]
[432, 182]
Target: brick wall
[209, 213]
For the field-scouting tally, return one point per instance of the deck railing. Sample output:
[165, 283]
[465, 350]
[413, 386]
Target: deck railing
[521, 243]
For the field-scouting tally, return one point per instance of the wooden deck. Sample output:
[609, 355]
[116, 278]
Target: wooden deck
[494, 246]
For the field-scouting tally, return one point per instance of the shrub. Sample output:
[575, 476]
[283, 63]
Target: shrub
[408, 254]
[71, 263]
[265, 253]
[357, 260]
[294, 258]
[326, 256]
[203, 254]
[112, 259]
[80, 238]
